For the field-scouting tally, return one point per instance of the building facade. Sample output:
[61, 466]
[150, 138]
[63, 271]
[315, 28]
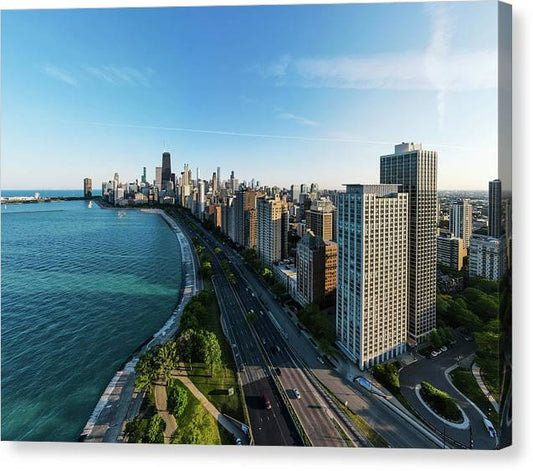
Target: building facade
[372, 279]
[487, 257]
[461, 220]
[495, 208]
[451, 250]
[269, 230]
[320, 219]
[415, 170]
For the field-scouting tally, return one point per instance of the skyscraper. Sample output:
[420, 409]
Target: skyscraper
[461, 220]
[143, 177]
[165, 169]
[316, 266]
[245, 218]
[495, 208]
[269, 228]
[373, 276]
[320, 218]
[415, 170]
[87, 188]
[157, 182]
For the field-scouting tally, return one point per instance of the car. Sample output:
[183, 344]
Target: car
[489, 427]
[275, 349]
[435, 353]
[444, 349]
[468, 338]
[278, 371]
[241, 368]
[268, 406]
[320, 359]
[238, 441]
[296, 393]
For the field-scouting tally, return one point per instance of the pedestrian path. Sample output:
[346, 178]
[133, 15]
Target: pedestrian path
[232, 428]
[160, 394]
[476, 371]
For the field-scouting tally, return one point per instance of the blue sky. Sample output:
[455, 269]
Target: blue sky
[284, 95]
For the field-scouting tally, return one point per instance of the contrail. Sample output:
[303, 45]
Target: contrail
[263, 136]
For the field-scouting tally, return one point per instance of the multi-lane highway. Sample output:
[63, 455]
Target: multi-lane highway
[270, 426]
[397, 428]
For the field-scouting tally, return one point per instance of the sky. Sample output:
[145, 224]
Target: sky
[283, 94]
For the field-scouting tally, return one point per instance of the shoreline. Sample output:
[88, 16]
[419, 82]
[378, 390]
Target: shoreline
[119, 401]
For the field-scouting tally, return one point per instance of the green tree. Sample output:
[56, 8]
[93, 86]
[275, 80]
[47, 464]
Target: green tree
[210, 348]
[178, 399]
[187, 345]
[145, 371]
[435, 339]
[155, 430]
[167, 360]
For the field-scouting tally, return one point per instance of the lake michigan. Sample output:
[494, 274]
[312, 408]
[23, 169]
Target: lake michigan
[82, 288]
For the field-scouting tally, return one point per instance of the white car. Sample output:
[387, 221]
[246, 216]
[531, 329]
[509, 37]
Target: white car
[435, 353]
[489, 427]
[444, 349]
[296, 393]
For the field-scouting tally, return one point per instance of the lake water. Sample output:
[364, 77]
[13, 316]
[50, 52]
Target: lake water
[82, 288]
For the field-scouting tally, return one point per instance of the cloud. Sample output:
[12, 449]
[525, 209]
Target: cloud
[297, 119]
[110, 74]
[116, 75]
[60, 74]
[440, 67]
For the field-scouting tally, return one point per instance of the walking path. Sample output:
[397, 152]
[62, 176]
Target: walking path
[209, 407]
[476, 371]
[160, 395]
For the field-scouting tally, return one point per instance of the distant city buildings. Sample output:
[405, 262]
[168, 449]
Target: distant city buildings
[461, 220]
[373, 272]
[87, 188]
[415, 170]
[451, 250]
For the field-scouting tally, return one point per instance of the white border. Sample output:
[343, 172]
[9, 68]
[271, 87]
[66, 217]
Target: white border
[80, 457]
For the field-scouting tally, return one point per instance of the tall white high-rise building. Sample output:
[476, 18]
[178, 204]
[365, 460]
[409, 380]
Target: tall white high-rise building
[415, 170]
[372, 273]
[201, 199]
[269, 230]
[461, 220]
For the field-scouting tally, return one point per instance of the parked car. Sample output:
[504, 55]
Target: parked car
[444, 349]
[241, 368]
[296, 393]
[238, 441]
[320, 359]
[268, 406]
[278, 371]
[435, 353]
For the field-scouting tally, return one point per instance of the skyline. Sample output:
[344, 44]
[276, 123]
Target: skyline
[221, 86]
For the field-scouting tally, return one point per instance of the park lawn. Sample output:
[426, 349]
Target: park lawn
[215, 388]
[196, 425]
[464, 380]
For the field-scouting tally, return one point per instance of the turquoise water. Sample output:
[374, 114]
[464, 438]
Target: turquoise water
[81, 290]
